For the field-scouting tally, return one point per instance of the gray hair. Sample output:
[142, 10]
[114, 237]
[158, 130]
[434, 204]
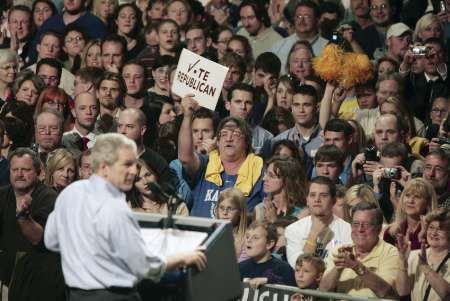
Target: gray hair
[366, 206]
[23, 151]
[54, 112]
[6, 56]
[140, 116]
[106, 149]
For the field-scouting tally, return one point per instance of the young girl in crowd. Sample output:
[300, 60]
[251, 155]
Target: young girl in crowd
[262, 267]
[232, 206]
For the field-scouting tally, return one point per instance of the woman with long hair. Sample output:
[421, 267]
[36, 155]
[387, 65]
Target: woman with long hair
[284, 184]
[141, 198]
[232, 206]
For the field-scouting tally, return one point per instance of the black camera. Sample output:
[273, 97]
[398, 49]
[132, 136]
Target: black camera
[371, 153]
[442, 141]
[392, 173]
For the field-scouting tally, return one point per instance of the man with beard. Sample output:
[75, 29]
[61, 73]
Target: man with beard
[75, 12]
[436, 171]
[30, 271]
[256, 27]
[110, 90]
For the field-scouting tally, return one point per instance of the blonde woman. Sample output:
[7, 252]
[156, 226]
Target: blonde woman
[61, 169]
[8, 72]
[91, 55]
[353, 196]
[232, 206]
[427, 27]
[417, 199]
[104, 9]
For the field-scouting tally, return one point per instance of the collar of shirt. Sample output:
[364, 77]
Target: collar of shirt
[98, 181]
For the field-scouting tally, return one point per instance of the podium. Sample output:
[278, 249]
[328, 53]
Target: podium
[221, 280]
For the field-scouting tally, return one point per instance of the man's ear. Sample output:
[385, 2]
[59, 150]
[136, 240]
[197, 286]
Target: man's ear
[209, 42]
[227, 105]
[143, 130]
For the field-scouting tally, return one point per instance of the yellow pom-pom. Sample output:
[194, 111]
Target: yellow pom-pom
[356, 69]
[327, 66]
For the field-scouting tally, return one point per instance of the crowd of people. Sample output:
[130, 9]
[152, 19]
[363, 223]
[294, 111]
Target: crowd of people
[329, 187]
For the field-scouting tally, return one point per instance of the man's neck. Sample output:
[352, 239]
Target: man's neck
[21, 193]
[108, 111]
[363, 251]
[261, 31]
[307, 35]
[70, 18]
[133, 102]
[140, 148]
[363, 22]
[305, 131]
[382, 28]
[326, 219]
[232, 166]
[163, 51]
[81, 129]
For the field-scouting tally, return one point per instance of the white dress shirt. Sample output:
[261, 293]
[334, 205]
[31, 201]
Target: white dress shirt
[297, 234]
[99, 240]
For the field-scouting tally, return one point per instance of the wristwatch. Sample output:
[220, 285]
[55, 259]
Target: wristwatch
[360, 269]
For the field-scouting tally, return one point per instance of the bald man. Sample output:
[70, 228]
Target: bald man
[133, 124]
[85, 112]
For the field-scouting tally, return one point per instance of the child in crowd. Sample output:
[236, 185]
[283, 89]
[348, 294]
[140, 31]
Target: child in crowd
[262, 267]
[308, 273]
[280, 247]
[232, 206]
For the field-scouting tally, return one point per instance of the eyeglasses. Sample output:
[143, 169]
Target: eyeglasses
[48, 129]
[437, 230]
[363, 225]
[227, 209]
[306, 62]
[377, 7]
[304, 17]
[438, 111]
[235, 134]
[77, 39]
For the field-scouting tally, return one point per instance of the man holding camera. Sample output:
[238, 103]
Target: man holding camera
[433, 81]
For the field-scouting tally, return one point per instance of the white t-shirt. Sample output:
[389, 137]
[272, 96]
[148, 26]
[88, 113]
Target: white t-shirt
[297, 234]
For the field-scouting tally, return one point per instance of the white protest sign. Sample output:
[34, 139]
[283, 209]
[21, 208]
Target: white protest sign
[199, 76]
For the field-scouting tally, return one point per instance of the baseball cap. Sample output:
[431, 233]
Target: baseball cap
[397, 30]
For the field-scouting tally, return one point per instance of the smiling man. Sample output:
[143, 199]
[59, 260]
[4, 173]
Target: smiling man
[368, 267]
[232, 164]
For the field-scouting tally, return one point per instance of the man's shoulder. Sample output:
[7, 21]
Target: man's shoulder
[286, 134]
[299, 226]
[286, 42]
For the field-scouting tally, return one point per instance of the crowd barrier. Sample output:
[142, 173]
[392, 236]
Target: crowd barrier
[274, 292]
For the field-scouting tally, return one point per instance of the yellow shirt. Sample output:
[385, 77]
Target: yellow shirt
[419, 282]
[383, 260]
[348, 108]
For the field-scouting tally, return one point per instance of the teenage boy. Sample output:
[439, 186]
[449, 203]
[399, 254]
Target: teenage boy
[262, 267]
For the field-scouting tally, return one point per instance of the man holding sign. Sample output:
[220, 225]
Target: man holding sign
[232, 164]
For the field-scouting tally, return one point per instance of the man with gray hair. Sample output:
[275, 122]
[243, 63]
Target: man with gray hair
[103, 253]
[48, 132]
[24, 207]
[368, 267]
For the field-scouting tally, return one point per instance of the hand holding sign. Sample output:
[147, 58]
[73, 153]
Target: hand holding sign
[188, 104]
[199, 76]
